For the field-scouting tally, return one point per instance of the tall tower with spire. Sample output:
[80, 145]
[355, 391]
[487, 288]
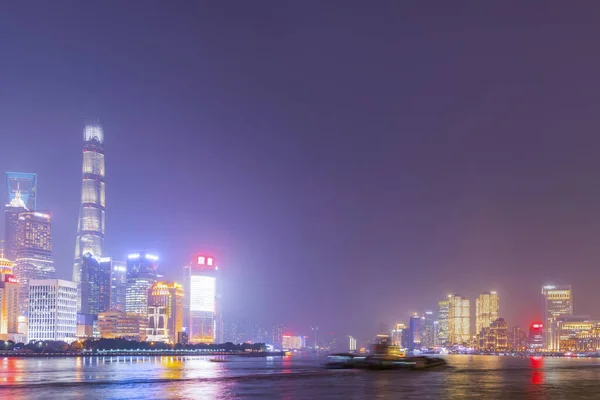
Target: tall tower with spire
[90, 228]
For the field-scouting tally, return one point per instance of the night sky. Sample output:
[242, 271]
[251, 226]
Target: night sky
[347, 163]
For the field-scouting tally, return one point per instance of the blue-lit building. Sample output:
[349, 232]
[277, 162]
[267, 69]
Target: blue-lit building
[23, 184]
[118, 282]
[415, 332]
[142, 273]
[95, 285]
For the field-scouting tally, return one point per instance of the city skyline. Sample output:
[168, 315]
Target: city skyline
[465, 161]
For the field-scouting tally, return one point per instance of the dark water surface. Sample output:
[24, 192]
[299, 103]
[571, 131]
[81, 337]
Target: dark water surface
[472, 377]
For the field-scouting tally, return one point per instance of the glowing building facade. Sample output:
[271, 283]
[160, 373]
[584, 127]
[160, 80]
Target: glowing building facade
[442, 326]
[459, 320]
[557, 301]
[142, 273]
[11, 225]
[34, 253]
[203, 313]
[9, 301]
[95, 285]
[117, 324]
[90, 227]
[290, 342]
[168, 295]
[52, 310]
[486, 310]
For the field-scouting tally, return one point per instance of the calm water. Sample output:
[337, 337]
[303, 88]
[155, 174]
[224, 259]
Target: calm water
[485, 377]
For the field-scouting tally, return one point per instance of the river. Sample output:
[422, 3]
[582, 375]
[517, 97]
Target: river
[468, 377]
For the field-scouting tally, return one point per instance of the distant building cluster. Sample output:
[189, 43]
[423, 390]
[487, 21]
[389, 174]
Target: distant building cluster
[106, 298]
[560, 330]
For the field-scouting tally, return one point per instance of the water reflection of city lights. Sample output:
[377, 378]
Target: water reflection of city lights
[537, 372]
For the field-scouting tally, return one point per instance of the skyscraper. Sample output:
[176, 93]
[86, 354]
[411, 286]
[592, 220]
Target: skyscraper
[95, 285]
[169, 295]
[442, 334]
[118, 282]
[203, 300]
[9, 301]
[11, 225]
[459, 321]
[557, 301]
[428, 330]
[34, 252]
[142, 273]
[52, 310]
[486, 310]
[414, 332]
[90, 228]
[23, 184]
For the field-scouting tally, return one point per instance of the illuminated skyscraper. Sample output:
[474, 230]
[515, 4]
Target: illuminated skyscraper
[34, 253]
[442, 327]
[169, 295]
[203, 300]
[11, 225]
[428, 330]
[9, 301]
[400, 336]
[95, 285]
[459, 321]
[118, 282]
[415, 332]
[557, 301]
[142, 273]
[486, 310]
[90, 228]
[24, 185]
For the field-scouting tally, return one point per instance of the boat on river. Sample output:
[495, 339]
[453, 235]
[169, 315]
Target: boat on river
[383, 356]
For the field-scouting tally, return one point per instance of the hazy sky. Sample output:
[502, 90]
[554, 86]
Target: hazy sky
[346, 162]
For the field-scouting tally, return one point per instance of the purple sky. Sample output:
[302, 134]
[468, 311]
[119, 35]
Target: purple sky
[346, 163]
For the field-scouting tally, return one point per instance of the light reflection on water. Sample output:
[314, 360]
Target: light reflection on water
[173, 377]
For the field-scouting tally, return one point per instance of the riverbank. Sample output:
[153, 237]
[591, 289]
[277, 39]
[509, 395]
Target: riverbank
[136, 353]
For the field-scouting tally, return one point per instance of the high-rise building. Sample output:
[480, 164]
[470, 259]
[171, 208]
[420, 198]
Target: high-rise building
[23, 185]
[170, 296]
[351, 344]
[142, 273]
[517, 339]
[557, 301]
[118, 282]
[459, 320]
[52, 310]
[277, 336]
[400, 336]
[203, 300]
[414, 332]
[427, 330]
[34, 253]
[443, 311]
[90, 227]
[95, 285]
[11, 226]
[535, 340]
[486, 310]
[9, 301]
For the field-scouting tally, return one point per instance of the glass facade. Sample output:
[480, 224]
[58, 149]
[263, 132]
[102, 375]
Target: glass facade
[52, 310]
[442, 326]
[95, 285]
[141, 275]
[118, 283]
